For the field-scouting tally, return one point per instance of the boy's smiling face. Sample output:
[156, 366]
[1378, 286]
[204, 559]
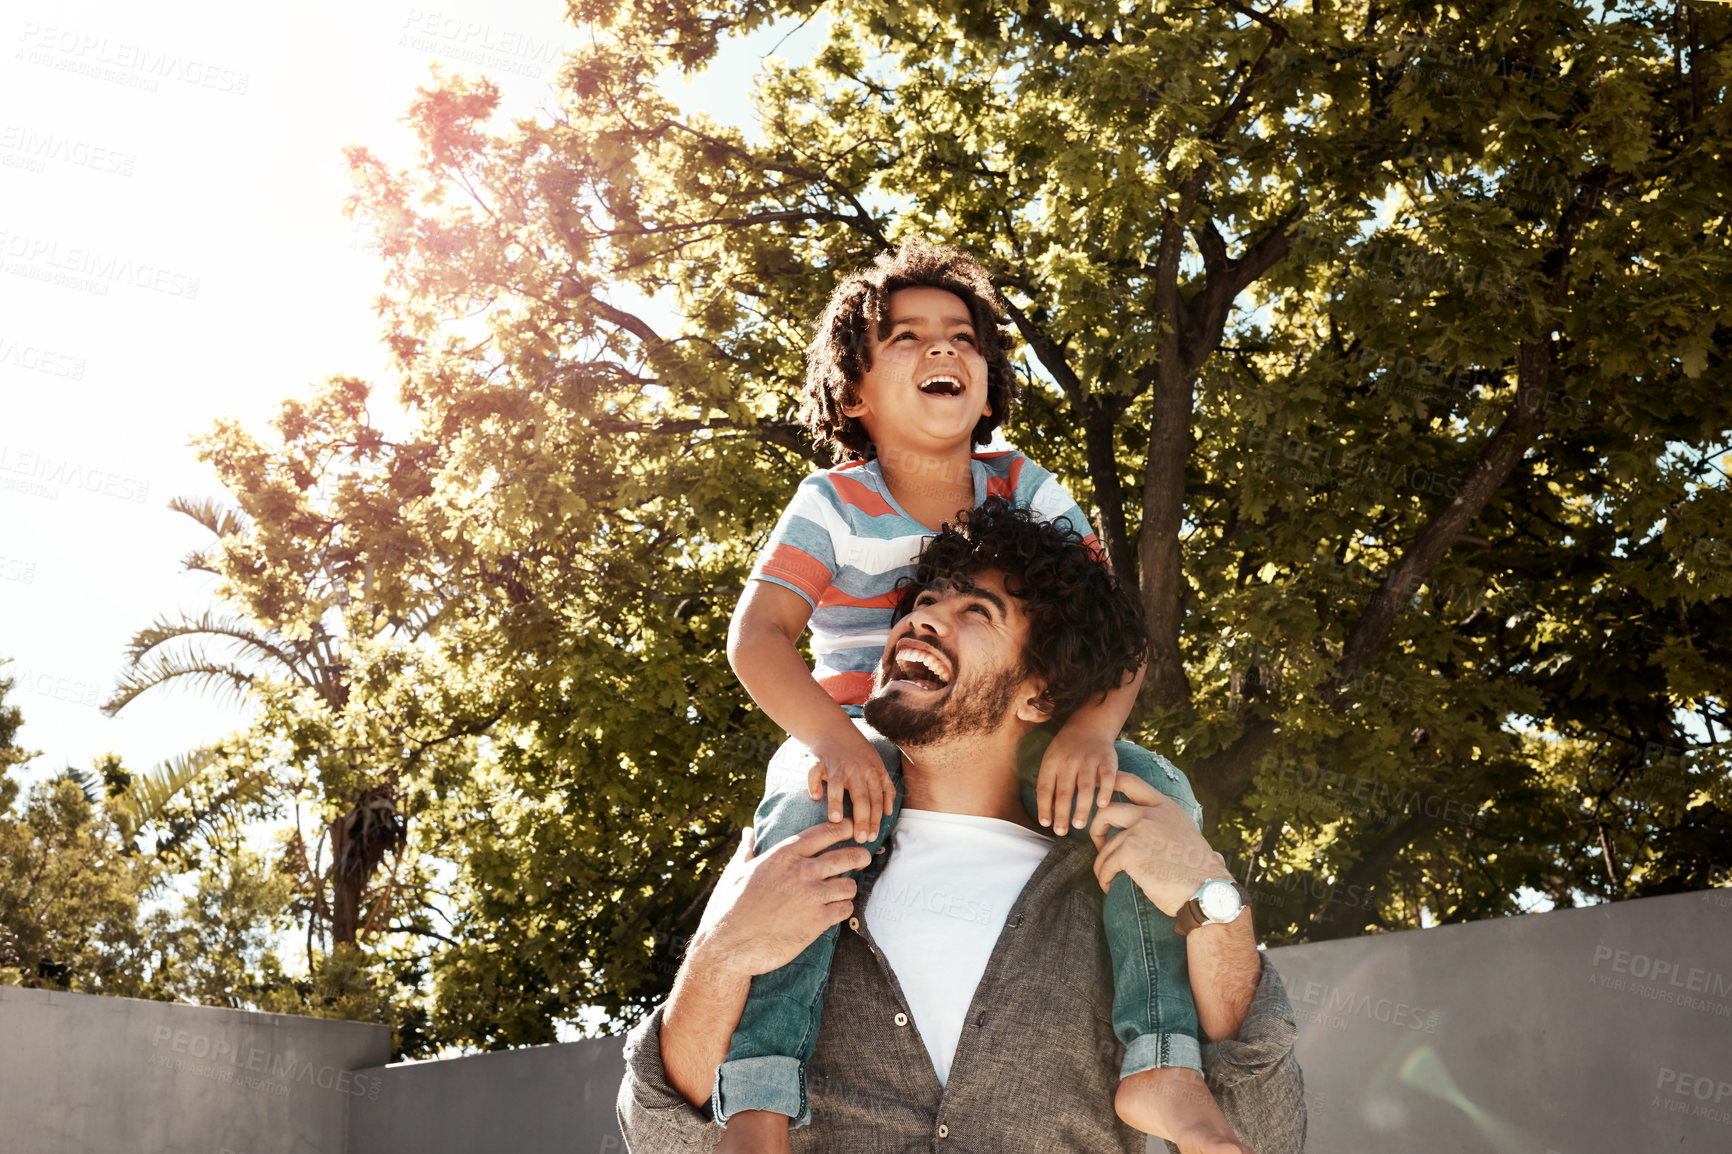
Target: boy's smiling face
[927, 386]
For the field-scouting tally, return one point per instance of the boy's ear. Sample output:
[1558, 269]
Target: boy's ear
[986, 409]
[852, 405]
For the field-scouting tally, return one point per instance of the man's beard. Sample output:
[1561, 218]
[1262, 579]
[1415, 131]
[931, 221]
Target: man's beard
[980, 709]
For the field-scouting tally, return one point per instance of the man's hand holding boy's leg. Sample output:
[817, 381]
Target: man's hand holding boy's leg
[765, 910]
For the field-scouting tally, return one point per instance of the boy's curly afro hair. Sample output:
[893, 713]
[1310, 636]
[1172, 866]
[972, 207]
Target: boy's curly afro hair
[859, 313]
[1085, 631]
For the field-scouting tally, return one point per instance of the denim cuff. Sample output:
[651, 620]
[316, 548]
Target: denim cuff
[1153, 1051]
[771, 1082]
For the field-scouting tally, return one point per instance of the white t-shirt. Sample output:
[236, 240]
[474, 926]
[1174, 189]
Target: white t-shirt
[937, 910]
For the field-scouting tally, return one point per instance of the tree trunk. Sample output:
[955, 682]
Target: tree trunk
[360, 839]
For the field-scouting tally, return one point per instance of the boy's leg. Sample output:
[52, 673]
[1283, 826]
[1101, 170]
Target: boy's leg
[1154, 1014]
[1161, 1088]
[778, 1031]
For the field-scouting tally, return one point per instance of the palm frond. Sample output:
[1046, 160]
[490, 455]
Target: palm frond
[208, 624]
[151, 798]
[223, 520]
[84, 780]
[159, 669]
[149, 795]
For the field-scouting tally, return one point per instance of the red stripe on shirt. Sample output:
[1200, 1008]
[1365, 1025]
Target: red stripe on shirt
[847, 688]
[861, 496]
[1006, 486]
[797, 567]
[834, 596]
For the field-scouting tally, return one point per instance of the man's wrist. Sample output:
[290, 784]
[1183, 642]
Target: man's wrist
[1189, 875]
[1209, 866]
[712, 962]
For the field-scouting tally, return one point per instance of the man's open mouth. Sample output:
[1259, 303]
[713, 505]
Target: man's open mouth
[942, 385]
[920, 667]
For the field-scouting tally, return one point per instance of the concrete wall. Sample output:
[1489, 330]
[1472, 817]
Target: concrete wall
[1573, 1032]
[531, 1101]
[91, 1075]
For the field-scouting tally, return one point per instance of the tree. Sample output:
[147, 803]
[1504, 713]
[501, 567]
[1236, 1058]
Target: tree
[292, 657]
[1385, 344]
[68, 898]
[76, 890]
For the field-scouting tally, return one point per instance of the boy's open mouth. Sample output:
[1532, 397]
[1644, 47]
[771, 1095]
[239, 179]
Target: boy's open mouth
[920, 667]
[941, 386]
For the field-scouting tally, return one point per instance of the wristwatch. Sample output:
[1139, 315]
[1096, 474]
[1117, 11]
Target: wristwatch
[1216, 902]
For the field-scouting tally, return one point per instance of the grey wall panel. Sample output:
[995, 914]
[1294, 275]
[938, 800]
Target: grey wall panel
[531, 1101]
[92, 1075]
[1581, 1031]
[1591, 1031]
[1574, 1032]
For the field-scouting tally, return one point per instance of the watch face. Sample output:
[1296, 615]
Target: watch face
[1220, 901]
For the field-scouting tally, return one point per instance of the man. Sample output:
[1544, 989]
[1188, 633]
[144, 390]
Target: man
[986, 1028]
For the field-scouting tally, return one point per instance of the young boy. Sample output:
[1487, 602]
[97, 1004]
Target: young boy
[907, 374]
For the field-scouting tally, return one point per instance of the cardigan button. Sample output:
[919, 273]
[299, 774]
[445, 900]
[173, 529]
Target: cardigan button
[901, 1019]
[943, 1130]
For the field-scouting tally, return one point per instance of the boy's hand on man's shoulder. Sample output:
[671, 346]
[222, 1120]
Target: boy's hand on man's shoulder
[844, 763]
[1078, 768]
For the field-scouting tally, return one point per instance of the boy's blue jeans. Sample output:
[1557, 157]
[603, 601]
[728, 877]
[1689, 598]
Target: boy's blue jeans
[1154, 1014]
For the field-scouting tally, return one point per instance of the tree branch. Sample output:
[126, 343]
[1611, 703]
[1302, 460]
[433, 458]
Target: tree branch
[1502, 453]
[1336, 919]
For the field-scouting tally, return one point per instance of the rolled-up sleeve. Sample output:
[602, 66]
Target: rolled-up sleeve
[1256, 1078]
[653, 1116]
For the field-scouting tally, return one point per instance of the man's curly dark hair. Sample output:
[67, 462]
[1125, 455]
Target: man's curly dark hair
[1085, 631]
[859, 312]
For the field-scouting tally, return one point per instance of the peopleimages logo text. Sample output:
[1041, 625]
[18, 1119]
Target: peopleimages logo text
[93, 50]
[38, 359]
[44, 253]
[1334, 999]
[53, 146]
[62, 471]
[1659, 969]
[219, 1051]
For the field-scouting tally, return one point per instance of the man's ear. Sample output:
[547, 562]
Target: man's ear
[1032, 703]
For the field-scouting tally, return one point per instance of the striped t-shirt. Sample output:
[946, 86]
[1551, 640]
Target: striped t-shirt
[843, 542]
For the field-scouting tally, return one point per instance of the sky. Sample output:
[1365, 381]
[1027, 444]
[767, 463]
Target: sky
[172, 253]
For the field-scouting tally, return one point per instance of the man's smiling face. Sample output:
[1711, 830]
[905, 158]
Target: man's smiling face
[953, 666]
